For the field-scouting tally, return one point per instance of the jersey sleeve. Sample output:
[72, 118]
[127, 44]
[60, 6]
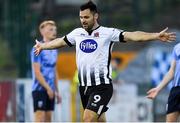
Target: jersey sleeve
[35, 58]
[117, 35]
[70, 38]
[174, 54]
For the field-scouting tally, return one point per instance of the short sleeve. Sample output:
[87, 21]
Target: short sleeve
[117, 35]
[35, 58]
[176, 52]
[70, 38]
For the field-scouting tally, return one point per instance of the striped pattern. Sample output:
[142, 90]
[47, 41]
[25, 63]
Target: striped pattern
[93, 76]
[93, 53]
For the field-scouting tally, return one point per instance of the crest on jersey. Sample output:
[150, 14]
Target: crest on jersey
[88, 45]
[96, 34]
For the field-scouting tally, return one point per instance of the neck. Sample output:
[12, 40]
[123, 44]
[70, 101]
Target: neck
[95, 26]
[46, 39]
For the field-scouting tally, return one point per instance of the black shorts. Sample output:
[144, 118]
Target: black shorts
[174, 100]
[42, 102]
[96, 98]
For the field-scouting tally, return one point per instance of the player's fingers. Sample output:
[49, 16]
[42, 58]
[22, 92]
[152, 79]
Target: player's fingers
[149, 97]
[172, 33]
[36, 52]
[169, 40]
[37, 41]
[35, 46]
[173, 38]
[150, 91]
[163, 31]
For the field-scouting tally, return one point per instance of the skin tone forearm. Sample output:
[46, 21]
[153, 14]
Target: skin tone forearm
[145, 36]
[140, 36]
[152, 93]
[56, 43]
[41, 80]
[167, 78]
[39, 76]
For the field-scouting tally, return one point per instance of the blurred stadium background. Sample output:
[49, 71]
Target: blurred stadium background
[142, 65]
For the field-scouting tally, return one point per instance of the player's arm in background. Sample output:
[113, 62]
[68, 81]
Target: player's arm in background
[41, 79]
[145, 36]
[152, 93]
[56, 43]
[57, 94]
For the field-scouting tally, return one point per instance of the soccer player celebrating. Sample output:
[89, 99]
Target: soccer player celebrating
[173, 105]
[45, 82]
[93, 53]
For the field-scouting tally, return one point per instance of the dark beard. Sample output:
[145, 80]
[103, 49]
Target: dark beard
[89, 28]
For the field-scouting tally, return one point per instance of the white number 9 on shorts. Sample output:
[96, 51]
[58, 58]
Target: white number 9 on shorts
[97, 98]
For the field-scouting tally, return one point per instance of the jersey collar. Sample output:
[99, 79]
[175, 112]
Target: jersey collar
[90, 32]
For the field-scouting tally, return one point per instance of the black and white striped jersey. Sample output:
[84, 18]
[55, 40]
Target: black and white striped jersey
[93, 53]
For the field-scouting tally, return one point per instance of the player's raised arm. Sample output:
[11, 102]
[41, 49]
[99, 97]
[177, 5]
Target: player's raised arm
[56, 43]
[152, 93]
[145, 36]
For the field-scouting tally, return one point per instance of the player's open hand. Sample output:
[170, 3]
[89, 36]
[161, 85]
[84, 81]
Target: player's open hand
[152, 93]
[166, 36]
[38, 47]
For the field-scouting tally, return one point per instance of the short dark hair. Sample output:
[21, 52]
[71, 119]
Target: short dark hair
[89, 5]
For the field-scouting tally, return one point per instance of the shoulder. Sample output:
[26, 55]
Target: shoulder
[109, 29]
[77, 30]
[32, 51]
[106, 28]
[177, 48]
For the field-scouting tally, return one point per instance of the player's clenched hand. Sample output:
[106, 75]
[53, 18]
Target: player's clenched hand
[165, 36]
[152, 93]
[38, 47]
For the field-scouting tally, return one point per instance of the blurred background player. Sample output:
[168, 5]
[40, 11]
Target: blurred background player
[115, 63]
[173, 105]
[45, 81]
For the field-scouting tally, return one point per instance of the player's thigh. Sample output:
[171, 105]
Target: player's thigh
[39, 100]
[90, 116]
[48, 116]
[39, 116]
[102, 118]
[99, 98]
[172, 117]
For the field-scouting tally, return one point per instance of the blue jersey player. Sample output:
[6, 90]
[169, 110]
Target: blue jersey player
[173, 105]
[44, 89]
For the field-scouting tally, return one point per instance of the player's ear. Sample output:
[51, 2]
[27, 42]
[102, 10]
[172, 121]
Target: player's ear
[96, 16]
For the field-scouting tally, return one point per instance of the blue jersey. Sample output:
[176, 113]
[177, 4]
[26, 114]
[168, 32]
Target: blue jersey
[176, 57]
[47, 60]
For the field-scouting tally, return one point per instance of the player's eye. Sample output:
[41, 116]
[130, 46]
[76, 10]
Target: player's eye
[86, 17]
